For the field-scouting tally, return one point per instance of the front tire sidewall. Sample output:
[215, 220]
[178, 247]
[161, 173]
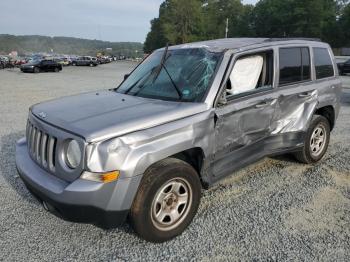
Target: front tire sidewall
[154, 179]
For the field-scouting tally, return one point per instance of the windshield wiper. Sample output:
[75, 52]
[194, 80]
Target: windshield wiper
[138, 81]
[161, 66]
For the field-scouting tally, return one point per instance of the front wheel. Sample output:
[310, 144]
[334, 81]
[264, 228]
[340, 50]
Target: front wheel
[316, 141]
[56, 70]
[167, 200]
[36, 70]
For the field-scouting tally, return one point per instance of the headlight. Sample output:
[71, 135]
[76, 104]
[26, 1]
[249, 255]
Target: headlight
[73, 154]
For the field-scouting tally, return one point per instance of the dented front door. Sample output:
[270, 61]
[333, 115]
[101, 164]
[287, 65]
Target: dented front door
[240, 127]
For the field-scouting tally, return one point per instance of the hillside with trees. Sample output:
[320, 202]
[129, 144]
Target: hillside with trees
[183, 21]
[65, 45]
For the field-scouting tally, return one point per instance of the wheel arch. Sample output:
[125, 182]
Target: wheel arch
[329, 113]
[194, 157]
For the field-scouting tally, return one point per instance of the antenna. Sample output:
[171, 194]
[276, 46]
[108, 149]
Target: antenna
[226, 31]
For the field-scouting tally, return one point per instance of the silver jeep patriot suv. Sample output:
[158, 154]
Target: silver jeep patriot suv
[186, 117]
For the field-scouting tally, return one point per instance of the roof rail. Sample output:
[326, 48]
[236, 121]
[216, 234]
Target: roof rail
[293, 38]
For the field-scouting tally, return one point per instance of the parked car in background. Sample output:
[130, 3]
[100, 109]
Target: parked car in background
[37, 66]
[186, 117]
[62, 61]
[102, 60]
[85, 61]
[6, 62]
[20, 61]
[344, 68]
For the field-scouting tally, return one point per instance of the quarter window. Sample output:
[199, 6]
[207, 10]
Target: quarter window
[294, 65]
[323, 63]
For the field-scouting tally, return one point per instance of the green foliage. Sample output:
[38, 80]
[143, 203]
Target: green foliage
[65, 45]
[344, 22]
[182, 21]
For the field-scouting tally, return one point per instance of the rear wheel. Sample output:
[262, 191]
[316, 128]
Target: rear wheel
[36, 70]
[316, 141]
[56, 70]
[167, 200]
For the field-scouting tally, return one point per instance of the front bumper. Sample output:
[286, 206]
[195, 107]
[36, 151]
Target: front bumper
[27, 69]
[106, 205]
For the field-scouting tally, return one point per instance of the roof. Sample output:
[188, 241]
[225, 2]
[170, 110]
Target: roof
[236, 43]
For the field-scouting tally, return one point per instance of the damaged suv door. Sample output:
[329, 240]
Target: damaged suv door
[245, 115]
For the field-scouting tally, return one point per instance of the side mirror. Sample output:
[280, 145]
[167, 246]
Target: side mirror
[222, 99]
[126, 76]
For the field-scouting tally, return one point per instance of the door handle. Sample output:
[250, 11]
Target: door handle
[303, 95]
[265, 103]
[262, 104]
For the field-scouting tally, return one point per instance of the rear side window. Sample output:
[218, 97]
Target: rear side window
[294, 65]
[323, 63]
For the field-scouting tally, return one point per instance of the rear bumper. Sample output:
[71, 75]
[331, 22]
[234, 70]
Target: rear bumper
[106, 205]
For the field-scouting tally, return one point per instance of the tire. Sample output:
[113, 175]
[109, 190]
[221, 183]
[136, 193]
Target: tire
[91, 64]
[157, 196]
[36, 70]
[74, 64]
[314, 150]
[56, 70]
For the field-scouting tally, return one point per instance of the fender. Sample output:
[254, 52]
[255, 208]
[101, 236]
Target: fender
[133, 153]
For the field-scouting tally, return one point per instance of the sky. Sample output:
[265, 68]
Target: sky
[109, 20]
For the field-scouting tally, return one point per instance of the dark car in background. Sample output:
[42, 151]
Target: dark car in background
[85, 61]
[344, 68]
[37, 66]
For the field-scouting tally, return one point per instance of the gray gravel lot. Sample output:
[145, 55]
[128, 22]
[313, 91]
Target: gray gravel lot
[275, 209]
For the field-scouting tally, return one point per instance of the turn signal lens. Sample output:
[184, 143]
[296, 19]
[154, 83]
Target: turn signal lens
[101, 177]
[109, 177]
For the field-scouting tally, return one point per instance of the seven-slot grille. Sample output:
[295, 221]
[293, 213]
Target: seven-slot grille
[41, 147]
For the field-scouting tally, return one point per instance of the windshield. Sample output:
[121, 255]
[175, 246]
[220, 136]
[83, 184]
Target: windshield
[185, 75]
[34, 61]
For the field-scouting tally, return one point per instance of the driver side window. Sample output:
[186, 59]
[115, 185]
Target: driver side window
[251, 72]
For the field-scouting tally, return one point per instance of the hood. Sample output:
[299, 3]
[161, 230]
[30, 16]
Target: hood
[107, 114]
[31, 63]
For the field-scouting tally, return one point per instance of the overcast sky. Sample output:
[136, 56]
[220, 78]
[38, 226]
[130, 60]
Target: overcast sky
[110, 20]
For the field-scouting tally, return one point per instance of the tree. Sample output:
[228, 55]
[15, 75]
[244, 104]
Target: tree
[155, 38]
[181, 20]
[344, 27]
[215, 13]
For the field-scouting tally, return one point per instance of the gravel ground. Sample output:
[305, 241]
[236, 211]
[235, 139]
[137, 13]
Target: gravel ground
[275, 209]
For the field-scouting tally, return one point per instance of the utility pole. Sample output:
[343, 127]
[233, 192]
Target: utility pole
[226, 28]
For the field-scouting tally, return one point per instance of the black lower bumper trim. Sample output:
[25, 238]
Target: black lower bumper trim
[81, 214]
